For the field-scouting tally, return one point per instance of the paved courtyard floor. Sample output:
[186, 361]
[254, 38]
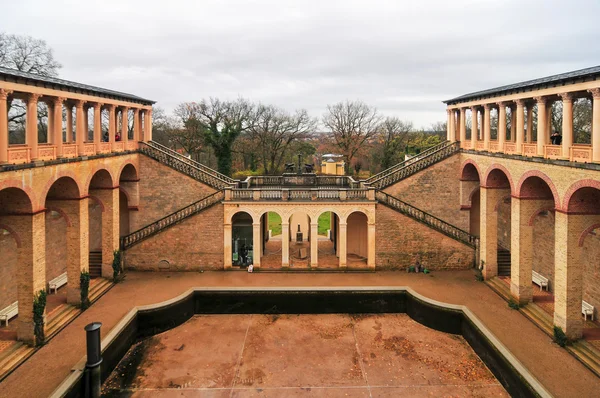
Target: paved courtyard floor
[297, 355]
[553, 366]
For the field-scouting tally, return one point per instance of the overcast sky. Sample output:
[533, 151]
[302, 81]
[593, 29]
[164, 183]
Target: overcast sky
[402, 58]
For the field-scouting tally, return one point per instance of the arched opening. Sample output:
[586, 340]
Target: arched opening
[469, 192]
[9, 247]
[272, 240]
[327, 235]
[242, 243]
[300, 239]
[100, 220]
[590, 258]
[474, 212]
[357, 240]
[128, 200]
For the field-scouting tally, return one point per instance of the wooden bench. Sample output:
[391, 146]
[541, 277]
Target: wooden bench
[587, 309]
[58, 282]
[539, 280]
[9, 312]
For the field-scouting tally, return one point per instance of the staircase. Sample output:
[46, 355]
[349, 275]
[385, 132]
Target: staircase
[95, 264]
[189, 167]
[427, 219]
[503, 259]
[172, 219]
[414, 165]
[12, 357]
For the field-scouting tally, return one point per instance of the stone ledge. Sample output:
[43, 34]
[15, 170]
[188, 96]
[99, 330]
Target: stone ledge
[555, 162]
[35, 164]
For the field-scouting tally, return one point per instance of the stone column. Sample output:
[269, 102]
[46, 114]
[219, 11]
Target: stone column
[136, 125]
[549, 120]
[513, 123]
[4, 125]
[343, 243]
[541, 125]
[97, 125]
[227, 261]
[125, 126]
[529, 123]
[452, 125]
[567, 124]
[148, 125]
[371, 245]
[448, 123]
[463, 126]
[595, 124]
[110, 226]
[50, 125]
[488, 229]
[58, 131]
[486, 127]
[474, 127]
[520, 125]
[31, 126]
[31, 277]
[501, 125]
[112, 117]
[69, 129]
[285, 244]
[79, 128]
[256, 245]
[314, 245]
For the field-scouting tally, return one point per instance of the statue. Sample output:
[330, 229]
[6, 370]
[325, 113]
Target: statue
[308, 168]
[289, 167]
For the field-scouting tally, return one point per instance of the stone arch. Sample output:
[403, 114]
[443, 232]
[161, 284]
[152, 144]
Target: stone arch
[12, 233]
[63, 188]
[61, 212]
[585, 232]
[95, 172]
[538, 212]
[97, 200]
[587, 183]
[500, 201]
[63, 174]
[370, 215]
[273, 210]
[102, 177]
[321, 211]
[467, 170]
[536, 173]
[473, 192]
[14, 200]
[493, 177]
[31, 196]
[129, 171]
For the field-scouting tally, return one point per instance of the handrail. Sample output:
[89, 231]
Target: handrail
[428, 219]
[199, 165]
[184, 166]
[416, 166]
[405, 162]
[173, 218]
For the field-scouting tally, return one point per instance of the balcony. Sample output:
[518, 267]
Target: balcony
[330, 194]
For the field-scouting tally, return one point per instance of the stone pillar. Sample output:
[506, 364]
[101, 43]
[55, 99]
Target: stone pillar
[371, 245]
[57, 125]
[79, 128]
[148, 125]
[501, 125]
[474, 127]
[69, 129]
[97, 125]
[256, 245]
[4, 125]
[549, 119]
[513, 123]
[463, 126]
[343, 243]
[112, 117]
[488, 229]
[31, 126]
[568, 274]
[31, 277]
[136, 125]
[448, 123]
[520, 125]
[567, 124]
[595, 124]
[110, 226]
[452, 125]
[314, 245]
[285, 244]
[125, 126]
[50, 125]
[227, 261]
[486, 127]
[529, 123]
[541, 125]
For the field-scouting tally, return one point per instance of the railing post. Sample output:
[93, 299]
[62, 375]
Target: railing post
[343, 194]
[256, 194]
[227, 192]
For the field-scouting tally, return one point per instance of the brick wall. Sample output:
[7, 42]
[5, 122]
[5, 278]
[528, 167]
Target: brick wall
[504, 222]
[56, 245]
[194, 244]
[8, 269]
[435, 190]
[400, 239]
[591, 269]
[543, 246]
[95, 223]
[162, 191]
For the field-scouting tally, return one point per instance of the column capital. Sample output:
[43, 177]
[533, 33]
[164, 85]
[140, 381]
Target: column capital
[33, 97]
[4, 93]
[110, 107]
[136, 110]
[566, 97]
[487, 107]
[97, 105]
[124, 108]
[503, 104]
[79, 103]
[521, 102]
[58, 100]
[474, 108]
[595, 92]
[541, 99]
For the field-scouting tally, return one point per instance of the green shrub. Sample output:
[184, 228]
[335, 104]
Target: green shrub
[560, 337]
[116, 265]
[514, 305]
[84, 285]
[426, 271]
[411, 268]
[39, 305]
[242, 174]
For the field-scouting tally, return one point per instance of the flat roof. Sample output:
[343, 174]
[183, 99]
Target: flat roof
[577, 76]
[15, 76]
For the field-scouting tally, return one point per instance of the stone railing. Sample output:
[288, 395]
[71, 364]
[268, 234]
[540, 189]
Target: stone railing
[529, 150]
[299, 194]
[400, 165]
[411, 168]
[306, 180]
[552, 151]
[428, 219]
[580, 153]
[185, 166]
[173, 218]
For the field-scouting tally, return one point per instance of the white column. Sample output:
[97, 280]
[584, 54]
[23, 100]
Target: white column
[285, 244]
[541, 125]
[112, 117]
[58, 131]
[452, 125]
[567, 124]
[31, 126]
[486, 127]
[520, 125]
[595, 124]
[256, 245]
[4, 125]
[448, 113]
[125, 126]
[343, 243]
[97, 125]
[227, 263]
[474, 127]
[79, 128]
[371, 246]
[463, 126]
[501, 125]
[314, 245]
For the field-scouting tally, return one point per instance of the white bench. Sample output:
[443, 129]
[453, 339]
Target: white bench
[57, 282]
[539, 280]
[587, 309]
[9, 312]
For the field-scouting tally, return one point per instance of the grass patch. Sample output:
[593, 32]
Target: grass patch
[324, 223]
[274, 223]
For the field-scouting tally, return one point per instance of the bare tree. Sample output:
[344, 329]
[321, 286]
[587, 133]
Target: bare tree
[393, 136]
[186, 132]
[274, 130]
[352, 125]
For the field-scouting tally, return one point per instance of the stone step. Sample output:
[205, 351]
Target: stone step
[587, 355]
[499, 287]
[16, 358]
[9, 352]
[540, 318]
[61, 320]
[102, 286]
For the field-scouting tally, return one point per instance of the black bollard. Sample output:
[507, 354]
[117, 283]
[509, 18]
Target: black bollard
[94, 359]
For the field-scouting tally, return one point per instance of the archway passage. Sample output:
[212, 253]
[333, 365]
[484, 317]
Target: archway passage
[103, 223]
[357, 240]
[470, 195]
[272, 240]
[242, 240]
[327, 235]
[300, 238]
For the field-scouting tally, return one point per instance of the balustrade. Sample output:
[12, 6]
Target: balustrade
[299, 194]
[529, 149]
